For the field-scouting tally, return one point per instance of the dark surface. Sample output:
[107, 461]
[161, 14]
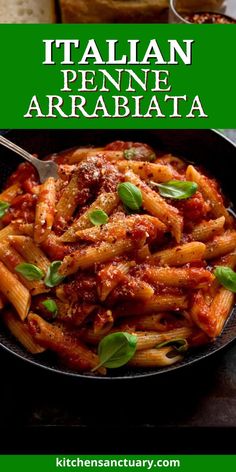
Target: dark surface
[45, 412]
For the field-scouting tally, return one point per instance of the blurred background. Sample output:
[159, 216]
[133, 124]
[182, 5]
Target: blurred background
[111, 11]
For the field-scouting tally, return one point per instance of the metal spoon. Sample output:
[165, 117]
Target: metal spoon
[45, 168]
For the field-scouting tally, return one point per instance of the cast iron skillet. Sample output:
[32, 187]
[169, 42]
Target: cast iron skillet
[209, 148]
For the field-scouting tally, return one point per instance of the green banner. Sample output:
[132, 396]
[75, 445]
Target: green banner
[118, 76]
[136, 463]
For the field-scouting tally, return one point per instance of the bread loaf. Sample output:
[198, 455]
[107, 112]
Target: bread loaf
[27, 11]
[113, 11]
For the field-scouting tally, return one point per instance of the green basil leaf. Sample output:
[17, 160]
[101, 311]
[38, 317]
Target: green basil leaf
[29, 271]
[3, 208]
[130, 195]
[51, 306]
[52, 277]
[98, 217]
[116, 349]
[227, 277]
[177, 189]
[137, 154]
[181, 345]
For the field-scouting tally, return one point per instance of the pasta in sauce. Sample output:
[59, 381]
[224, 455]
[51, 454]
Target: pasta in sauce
[113, 246]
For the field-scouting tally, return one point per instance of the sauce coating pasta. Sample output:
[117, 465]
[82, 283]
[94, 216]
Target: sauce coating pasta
[124, 241]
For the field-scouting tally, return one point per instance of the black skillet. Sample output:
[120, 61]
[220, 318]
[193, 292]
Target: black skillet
[205, 147]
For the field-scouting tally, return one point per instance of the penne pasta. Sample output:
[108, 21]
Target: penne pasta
[45, 210]
[157, 206]
[68, 202]
[110, 276]
[118, 229]
[20, 227]
[220, 310]
[149, 339]
[10, 193]
[208, 229]
[30, 251]
[221, 245]
[3, 301]
[15, 292]
[11, 258]
[175, 277]
[180, 255]
[83, 153]
[106, 202]
[209, 192]
[155, 304]
[147, 170]
[69, 348]
[7, 231]
[103, 321]
[133, 288]
[85, 258]
[20, 331]
[128, 263]
[155, 358]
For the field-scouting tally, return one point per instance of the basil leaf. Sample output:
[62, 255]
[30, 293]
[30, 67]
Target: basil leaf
[3, 208]
[130, 195]
[227, 277]
[139, 154]
[116, 350]
[98, 217]
[51, 306]
[29, 271]
[181, 345]
[52, 277]
[177, 189]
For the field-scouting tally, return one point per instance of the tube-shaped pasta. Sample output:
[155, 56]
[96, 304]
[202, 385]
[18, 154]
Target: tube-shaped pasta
[177, 164]
[220, 309]
[228, 261]
[133, 288]
[83, 153]
[157, 206]
[193, 277]
[209, 192]
[20, 227]
[160, 322]
[221, 245]
[70, 349]
[7, 231]
[208, 229]
[119, 228]
[68, 201]
[10, 193]
[103, 321]
[45, 210]
[110, 276]
[156, 303]
[106, 202]
[15, 292]
[11, 258]
[2, 301]
[143, 253]
[147, 170]
[30, 251]
[85, 258]
[155, 358]
[20, 331]
[180, 255]
[150, 339]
